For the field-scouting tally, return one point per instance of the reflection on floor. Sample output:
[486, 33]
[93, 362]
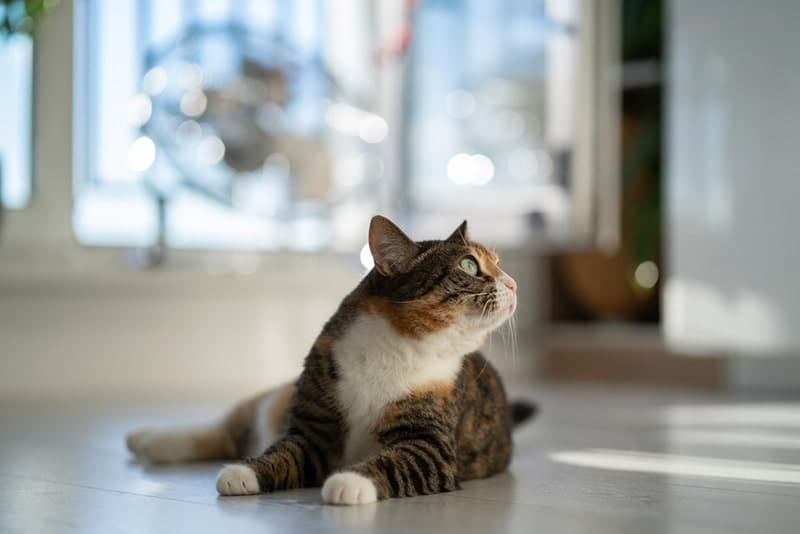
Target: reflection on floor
[597, 460]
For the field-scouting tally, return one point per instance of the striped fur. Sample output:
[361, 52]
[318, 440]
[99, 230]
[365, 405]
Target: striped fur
[392, 401]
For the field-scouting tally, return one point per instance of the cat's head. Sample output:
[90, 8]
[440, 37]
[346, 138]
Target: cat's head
[426, 286]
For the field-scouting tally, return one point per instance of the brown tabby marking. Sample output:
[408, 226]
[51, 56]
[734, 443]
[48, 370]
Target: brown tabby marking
[212, 444]
[278, 414]
[483, 432]
[415, 319]
[323, 343]
[238, 424]
[439, 389]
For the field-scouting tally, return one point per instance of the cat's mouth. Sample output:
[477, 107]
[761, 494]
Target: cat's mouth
[509, 310]
[500, 314]
[512, 307]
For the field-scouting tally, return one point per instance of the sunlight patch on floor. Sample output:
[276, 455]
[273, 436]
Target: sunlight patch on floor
[674, 465]
[756, 414]
[772, 440]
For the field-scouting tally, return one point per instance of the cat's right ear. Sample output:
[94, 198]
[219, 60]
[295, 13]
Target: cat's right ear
[460, 235]
[392, 250]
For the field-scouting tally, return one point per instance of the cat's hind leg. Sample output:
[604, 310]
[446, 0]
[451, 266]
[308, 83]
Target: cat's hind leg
[247, 430]
[182, 444]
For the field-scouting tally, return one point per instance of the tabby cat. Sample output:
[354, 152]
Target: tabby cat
[393, 400]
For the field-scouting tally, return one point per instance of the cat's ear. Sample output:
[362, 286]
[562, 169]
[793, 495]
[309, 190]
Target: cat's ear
[460, 235]
[391, 249]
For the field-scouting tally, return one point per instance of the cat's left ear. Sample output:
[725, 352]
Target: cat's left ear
[460, 235]
[392, 250]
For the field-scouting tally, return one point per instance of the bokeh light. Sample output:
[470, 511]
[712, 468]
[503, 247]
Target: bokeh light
[646, 274]
[155, 81]
[466, 169]
[142, 154]
[193, 103]
[211, 150]
[140, 108]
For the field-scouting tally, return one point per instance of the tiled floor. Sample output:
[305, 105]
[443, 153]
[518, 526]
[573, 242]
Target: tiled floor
[597, 460]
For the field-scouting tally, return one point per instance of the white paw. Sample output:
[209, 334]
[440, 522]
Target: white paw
[135, 440]
[349, 488]
[237, 480]
[160, 447]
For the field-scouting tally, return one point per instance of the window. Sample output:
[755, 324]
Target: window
[16, 90]
[490, 117]
[261, 125]
[225, 124]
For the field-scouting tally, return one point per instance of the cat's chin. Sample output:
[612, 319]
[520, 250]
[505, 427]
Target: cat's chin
[504, 314]
[490, 323]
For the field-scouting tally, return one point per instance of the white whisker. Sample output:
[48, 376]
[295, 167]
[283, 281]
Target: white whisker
[514, 342]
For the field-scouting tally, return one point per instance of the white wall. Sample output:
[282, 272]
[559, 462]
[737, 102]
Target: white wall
[733, 188]
[151, 331]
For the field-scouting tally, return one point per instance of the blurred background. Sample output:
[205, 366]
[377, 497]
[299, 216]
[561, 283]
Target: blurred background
[186, 184]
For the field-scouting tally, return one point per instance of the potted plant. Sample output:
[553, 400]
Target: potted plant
[18, 18]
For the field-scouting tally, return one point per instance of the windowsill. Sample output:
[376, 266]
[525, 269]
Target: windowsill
[105, 272]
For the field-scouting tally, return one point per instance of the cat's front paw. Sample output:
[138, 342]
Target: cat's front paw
[349, 488]
[237, 480]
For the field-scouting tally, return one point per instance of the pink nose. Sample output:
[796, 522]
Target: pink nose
[510, 284]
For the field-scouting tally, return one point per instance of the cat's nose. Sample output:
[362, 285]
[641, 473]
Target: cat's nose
[510, 284]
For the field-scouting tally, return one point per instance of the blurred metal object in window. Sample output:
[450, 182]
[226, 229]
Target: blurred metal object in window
[234, 120]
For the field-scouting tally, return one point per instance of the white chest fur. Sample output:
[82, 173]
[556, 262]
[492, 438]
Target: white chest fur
[378, 366]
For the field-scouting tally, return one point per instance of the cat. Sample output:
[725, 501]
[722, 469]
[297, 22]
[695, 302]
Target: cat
[394, 400]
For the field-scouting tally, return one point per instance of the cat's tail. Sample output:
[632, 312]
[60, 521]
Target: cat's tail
[521, 411]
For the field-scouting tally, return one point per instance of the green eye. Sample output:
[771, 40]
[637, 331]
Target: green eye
[469, 265]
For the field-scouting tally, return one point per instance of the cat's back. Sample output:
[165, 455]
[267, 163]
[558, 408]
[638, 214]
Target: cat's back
[483, 434]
